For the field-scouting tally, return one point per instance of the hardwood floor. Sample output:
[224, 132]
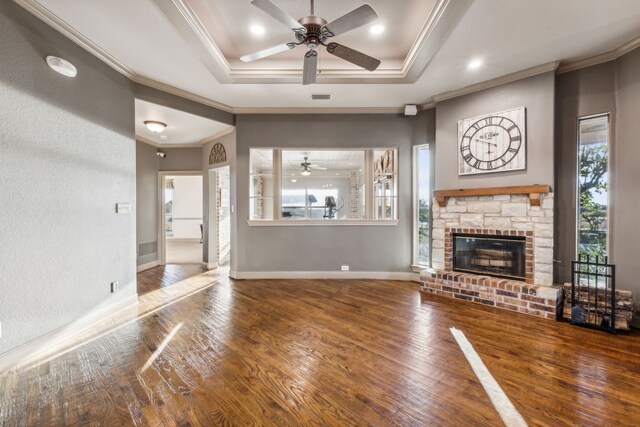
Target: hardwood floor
[166, 275]
[328, 352]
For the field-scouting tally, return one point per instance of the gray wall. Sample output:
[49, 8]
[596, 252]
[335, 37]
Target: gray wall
[181, 159]
[625, 233]
[148, 164]
[68, 156]
[537, 95]
[580, 93]
[147, 206]
[613, 87]
[296, 248]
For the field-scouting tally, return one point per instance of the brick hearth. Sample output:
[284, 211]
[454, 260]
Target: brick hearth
[501, 215]
[536, 300]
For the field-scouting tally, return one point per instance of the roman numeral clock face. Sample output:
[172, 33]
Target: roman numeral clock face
[492, 143]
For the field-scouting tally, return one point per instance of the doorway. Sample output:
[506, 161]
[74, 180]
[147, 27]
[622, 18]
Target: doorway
[223, 214]
[219, 234]
[182, 201]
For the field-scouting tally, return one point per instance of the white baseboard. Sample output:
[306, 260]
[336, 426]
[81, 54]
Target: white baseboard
[148, 265]
[46, 345]
[371, 275]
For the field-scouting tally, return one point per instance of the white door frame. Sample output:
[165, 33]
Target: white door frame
[212, 228]
[162, 250]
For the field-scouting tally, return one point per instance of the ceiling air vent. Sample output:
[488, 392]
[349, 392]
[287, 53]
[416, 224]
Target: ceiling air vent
[317, 97]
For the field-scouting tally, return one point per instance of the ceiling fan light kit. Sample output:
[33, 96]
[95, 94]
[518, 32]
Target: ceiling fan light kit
[313, 32]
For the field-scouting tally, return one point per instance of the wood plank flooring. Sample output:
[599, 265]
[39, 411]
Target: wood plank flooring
[166, 275]
[328, 352]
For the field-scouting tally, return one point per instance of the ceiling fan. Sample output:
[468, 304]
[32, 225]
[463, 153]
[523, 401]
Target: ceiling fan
[306, 167]
[314, 31]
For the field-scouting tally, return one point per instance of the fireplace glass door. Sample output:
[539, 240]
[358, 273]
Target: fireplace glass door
[500, 256]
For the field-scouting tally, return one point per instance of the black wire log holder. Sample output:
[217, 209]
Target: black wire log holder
[593, 293]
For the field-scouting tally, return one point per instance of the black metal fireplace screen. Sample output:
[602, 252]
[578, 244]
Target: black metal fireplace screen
[499, 256]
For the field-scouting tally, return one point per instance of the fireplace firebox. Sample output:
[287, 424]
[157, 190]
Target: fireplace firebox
[490, 255]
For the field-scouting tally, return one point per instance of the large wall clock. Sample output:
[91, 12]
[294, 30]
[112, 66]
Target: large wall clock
[492, 143]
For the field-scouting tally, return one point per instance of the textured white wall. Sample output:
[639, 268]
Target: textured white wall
[67, 155]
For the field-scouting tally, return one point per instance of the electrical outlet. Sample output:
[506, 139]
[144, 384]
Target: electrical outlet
[114, 287]
[345, 268]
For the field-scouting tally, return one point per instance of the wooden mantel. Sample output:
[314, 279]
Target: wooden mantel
[533, 191]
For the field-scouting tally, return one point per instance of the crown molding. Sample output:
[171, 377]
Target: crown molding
[146, 81]
[319, 110]
[600, 58]
[442, 20]
[432, 36]
[518, 75]
[198, 144]
[189, 26]
[49, 18]
[162, 146]
[216, 135]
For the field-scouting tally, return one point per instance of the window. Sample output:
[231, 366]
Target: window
[422, 206]
[593, 185]
[322, 185]
[261, 179]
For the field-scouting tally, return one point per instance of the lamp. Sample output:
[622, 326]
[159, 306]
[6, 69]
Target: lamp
[155, 126]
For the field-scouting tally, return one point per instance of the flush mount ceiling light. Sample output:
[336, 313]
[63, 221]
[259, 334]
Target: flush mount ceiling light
[474, 64]
[154, 126]
[62, 66]
[377, 29]
[258, 30]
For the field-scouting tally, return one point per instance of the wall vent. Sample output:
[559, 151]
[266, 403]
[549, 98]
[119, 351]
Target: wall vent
[147, 248]
[318, 97]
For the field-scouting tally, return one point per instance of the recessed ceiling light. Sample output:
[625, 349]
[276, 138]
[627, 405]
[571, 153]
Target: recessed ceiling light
[164, 137]
[294, 180]
[377, 29]
[258, 30]
[62, 66]
[476, 63]
[155, 126]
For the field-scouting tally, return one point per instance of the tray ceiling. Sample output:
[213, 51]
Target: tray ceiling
[183, 46]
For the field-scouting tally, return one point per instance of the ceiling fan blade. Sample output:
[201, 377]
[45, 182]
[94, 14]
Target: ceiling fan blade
[310, 67]
[352, 20]
[267, 52]
[355, 57]
[275, 12]
[320, 168]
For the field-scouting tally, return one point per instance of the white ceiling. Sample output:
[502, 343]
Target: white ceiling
[183, 129]
[509, 35]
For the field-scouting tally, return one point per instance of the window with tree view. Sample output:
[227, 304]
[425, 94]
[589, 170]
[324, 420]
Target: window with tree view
[593, 185]
[422, 206]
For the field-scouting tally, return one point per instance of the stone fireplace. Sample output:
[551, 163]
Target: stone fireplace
[495, 249]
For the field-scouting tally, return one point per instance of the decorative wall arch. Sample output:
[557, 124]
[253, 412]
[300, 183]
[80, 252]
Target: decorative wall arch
[218, 154]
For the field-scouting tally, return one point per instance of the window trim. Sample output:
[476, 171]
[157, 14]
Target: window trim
[415, 229]
[577, 183]
[368, 220]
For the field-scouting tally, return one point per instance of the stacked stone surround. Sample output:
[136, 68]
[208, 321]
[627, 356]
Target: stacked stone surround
[536, 300]
[503, 215]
